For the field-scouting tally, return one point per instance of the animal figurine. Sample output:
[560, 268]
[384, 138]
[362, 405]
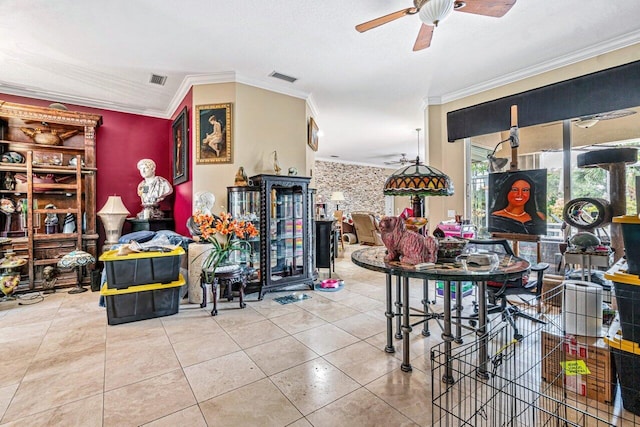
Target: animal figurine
[276, 164]
[404, 245]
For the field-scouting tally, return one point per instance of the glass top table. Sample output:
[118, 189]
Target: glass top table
[508, 267]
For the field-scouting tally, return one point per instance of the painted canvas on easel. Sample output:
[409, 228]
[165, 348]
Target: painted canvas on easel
[518, 202]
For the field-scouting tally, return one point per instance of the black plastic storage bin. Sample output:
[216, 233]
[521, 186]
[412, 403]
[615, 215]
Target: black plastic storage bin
[141, 268]
[626, 355]
[630, 225]
[142, 302]
[627, 290]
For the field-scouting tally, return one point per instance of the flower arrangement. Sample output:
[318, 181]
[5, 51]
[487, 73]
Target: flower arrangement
[226, 235]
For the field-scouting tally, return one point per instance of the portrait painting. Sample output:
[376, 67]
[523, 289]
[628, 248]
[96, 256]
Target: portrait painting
[517, 202]
[180, 129]
[214, 130]
[312, 134]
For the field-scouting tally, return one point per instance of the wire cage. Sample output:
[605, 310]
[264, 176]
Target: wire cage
[552, 376]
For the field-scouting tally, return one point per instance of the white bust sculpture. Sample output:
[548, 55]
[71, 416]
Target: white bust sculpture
[152, 190]
[203, 203]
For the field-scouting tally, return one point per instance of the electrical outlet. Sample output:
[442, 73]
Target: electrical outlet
[451, 213]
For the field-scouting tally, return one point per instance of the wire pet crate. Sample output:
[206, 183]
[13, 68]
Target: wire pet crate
[531, 382]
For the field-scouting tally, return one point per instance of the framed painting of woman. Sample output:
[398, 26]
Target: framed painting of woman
[214, 130]
[180, 130]
[518, 202]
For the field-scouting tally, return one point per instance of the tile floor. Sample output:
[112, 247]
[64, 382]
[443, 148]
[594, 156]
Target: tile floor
[317, 362]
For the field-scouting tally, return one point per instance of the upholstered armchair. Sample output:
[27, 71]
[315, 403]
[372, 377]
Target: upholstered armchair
[367, 229]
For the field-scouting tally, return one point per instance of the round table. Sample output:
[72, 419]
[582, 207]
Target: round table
[510, 267]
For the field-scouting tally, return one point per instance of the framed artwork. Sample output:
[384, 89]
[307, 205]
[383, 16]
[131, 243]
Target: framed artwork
[180, 129]
[518, 202]
[214, 130]
[313, 134]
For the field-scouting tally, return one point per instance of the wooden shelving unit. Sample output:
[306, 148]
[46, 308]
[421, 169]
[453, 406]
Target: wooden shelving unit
[71, 189]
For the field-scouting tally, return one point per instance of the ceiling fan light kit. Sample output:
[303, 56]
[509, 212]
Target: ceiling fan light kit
[435, 11]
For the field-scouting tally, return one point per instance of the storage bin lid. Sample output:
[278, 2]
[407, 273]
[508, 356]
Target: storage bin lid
[141, 288]
[626, 219]
[614, 339]
[618, 273]
[112, 255]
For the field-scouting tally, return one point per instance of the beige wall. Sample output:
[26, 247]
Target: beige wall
[263, 122]
[449, 157]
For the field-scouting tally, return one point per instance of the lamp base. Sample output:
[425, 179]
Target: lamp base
[78, 290]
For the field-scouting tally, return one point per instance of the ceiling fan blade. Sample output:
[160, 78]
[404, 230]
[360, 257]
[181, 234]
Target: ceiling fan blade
[495, 8]
[366, 26]
[423, 40]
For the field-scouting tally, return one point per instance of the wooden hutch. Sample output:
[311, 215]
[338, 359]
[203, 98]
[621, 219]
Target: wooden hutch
[43, 186]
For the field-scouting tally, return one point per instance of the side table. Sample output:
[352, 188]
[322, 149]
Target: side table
[229, 279]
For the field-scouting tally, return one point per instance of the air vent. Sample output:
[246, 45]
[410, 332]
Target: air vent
[157, 80]
[283, 77]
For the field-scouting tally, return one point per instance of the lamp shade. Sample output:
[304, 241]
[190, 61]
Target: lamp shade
[435, 11]
[337, 196]
[418, 180]
[112, 215]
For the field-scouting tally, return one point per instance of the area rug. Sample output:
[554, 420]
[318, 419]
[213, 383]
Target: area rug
[291, 298]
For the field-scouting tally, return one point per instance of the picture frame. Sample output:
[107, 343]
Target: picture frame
[313, 134]
[180, 132]
[214, 130]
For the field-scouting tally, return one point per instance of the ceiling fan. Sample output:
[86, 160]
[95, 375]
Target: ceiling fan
[432, 12]
[403, 160]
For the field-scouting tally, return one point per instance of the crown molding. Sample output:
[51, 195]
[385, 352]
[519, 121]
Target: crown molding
[569, 59]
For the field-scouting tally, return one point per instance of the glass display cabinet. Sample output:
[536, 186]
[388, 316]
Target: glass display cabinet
[243, 203]
[286, 232]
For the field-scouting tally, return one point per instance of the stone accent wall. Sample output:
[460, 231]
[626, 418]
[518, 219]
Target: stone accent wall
[362, 186]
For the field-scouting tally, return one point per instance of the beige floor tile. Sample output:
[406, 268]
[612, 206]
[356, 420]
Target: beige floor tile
[251, 334]
[363, 303]
[298, 321]
[358, 409]
[206, 347]
[331, 311]
[214, 377]
[129, 362]
[313, 385]
[72, 339]
[271, 309]
[189, 417]
[230, 317]
[325, 339]
[24, 331]
[362, 325]
[12, 373]
[6, 394]
[363, 362]
[281, 354]
[336, 296]
[302, 422]
[85, 412]
[269, 407]
[61, 388]
[135, 331]
[185, 328]
[66, 362]
[148, 400]
[409, 393]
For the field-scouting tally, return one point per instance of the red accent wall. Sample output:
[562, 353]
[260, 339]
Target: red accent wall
[183, 192]
[121, 141]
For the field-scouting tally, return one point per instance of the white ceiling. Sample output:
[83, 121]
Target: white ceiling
[367, 91]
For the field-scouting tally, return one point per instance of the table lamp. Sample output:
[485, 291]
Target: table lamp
[113, 214]
[337, 196]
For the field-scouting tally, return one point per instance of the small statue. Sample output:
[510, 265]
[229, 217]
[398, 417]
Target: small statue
[293, 171]
[404, 245]
[276, 165]
[50, 276]
[51, 221]
[152, 190]
[241, 178]
[9, 181]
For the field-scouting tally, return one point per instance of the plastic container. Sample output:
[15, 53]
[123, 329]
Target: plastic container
[466, 288]
[627, 291]
[582, 311]
[141, 268]
[142, 302]
[627, 359]
[631, 235]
